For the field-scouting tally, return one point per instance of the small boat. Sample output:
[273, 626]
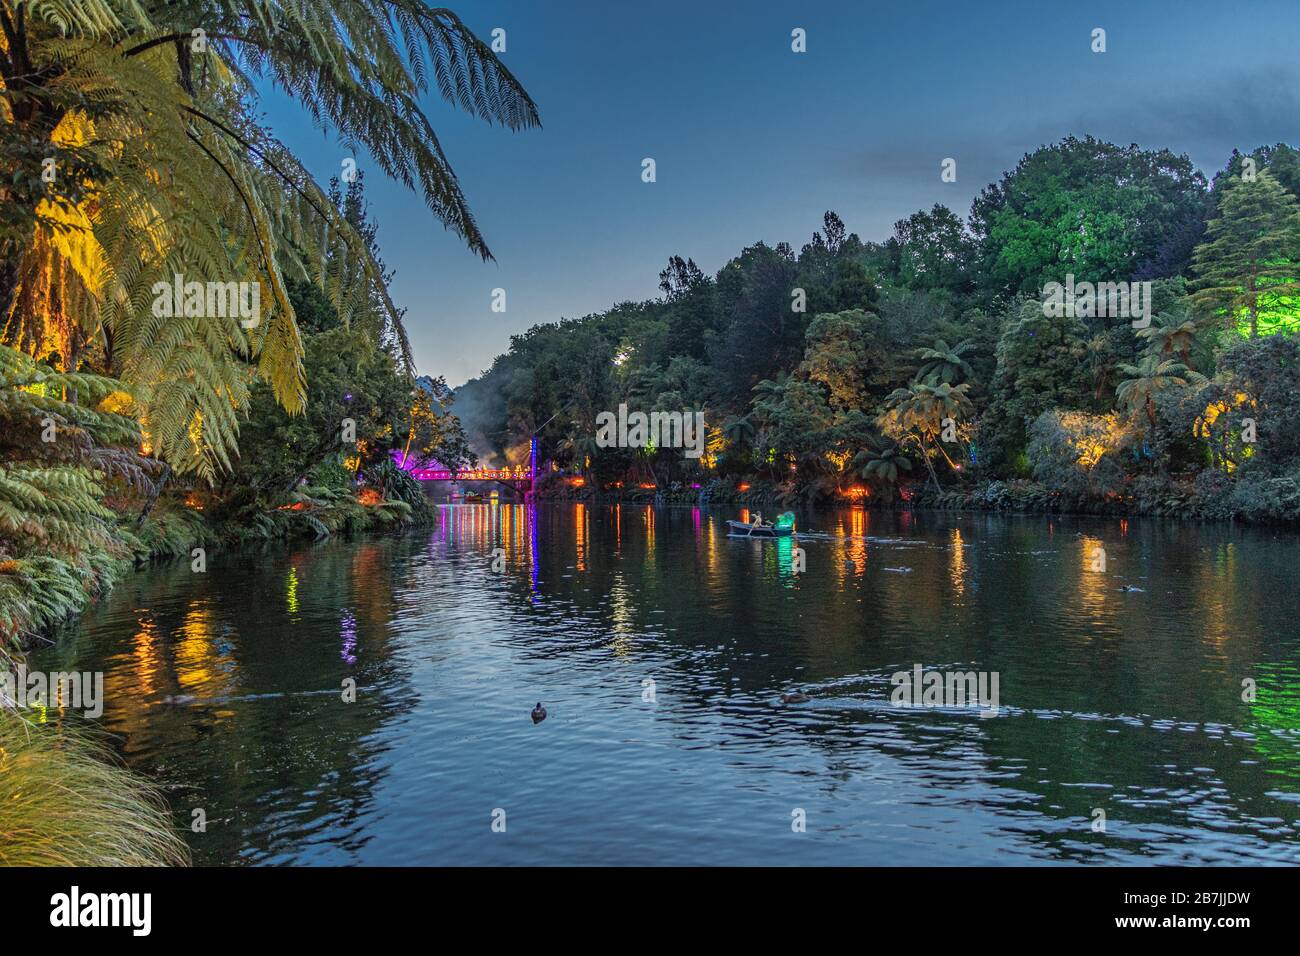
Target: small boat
[783, 528]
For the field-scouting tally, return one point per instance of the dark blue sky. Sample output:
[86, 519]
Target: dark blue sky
[753, 141]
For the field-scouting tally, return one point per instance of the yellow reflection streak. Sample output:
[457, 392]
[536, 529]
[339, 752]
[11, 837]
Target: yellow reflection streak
[196, 656]
[858, 540]
[1093, 585]
[957, 563]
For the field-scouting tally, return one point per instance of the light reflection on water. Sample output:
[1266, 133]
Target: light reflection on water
[225, 687]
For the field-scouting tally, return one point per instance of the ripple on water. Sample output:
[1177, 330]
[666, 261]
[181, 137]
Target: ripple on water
[661, 650]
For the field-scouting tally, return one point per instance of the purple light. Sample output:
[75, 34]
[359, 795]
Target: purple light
[348, 628]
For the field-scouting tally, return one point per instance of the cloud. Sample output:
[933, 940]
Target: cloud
[900, 173]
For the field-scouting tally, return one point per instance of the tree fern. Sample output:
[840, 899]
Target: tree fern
[166, 173]
[58, 542]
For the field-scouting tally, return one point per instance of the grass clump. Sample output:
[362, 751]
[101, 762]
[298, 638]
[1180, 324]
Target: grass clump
[64, 802]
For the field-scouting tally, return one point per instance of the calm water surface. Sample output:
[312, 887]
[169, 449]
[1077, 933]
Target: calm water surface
[224, 688]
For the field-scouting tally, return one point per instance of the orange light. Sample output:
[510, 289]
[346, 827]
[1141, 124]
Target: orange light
[743, 486]
[368, 496]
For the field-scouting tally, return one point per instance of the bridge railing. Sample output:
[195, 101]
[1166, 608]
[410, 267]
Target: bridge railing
[472, 474]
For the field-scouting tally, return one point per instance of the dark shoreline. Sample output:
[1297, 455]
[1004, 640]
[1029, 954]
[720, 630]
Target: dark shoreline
[1019, 498]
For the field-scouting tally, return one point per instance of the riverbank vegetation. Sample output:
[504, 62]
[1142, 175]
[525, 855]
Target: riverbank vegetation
[929, 369]
[197, 343]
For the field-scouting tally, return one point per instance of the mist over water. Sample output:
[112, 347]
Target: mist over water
[225, 688]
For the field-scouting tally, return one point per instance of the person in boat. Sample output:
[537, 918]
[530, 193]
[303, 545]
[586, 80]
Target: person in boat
[758, 520]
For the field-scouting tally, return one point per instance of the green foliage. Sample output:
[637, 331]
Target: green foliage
[1172, 333]
[1249, 264]
[1039, 367]
[844, 356]
[58, 545]
[186, 181]
[1076, 453]
[1263, 499]
[943, 321]
[1260, 380]
[396, 486]
[1144, 382]
[883, 464]
[945, 363]
[933, 251]
[1081, 206]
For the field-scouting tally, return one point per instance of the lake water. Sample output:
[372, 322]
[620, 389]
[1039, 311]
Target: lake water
[225, 689]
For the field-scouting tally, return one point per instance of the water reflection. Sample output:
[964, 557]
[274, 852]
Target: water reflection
[957, 564]
[226, 688]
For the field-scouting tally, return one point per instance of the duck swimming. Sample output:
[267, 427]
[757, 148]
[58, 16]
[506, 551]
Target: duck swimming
[539, 713]
[795, 697]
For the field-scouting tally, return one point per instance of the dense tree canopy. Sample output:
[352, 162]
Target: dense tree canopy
[931, 361]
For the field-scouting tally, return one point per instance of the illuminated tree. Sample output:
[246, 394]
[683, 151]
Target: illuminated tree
[161, 168]
[843, 355]
[917, 414]
[1249, 265]
[1074, 451]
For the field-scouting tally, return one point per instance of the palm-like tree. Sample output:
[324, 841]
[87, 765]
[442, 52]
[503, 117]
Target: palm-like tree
[1171, 333]
[161, 169]
[1099, 360]
[739, 430]
[1148, 378]
[768, 394]
[739, 433]
[883, 463]
[57, 544]
[917, 413]
[944, 363]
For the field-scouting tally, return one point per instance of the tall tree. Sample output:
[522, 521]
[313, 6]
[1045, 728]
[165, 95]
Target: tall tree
[692, 307]
[763, 333]
[932, 250]
[1084, 207]
[1249, 264]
